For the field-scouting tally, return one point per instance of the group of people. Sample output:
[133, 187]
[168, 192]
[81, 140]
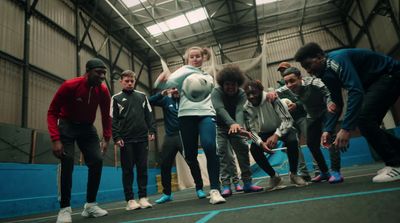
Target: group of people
[232, 117]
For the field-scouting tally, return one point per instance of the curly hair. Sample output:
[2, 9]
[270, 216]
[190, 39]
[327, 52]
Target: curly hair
[230, 73]
[205, 52]
[253, 84]
[310, 50]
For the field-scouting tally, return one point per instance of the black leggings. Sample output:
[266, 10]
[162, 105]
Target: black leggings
[291, 142]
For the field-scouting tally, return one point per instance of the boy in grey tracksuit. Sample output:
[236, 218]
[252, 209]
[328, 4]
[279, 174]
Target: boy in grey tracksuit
[268, 122]
[315, 97]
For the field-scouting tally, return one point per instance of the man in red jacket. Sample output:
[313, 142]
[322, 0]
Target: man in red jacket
[70, 119]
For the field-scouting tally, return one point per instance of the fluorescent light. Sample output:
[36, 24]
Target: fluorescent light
[261, 2]
[178, 22]
[131, 3]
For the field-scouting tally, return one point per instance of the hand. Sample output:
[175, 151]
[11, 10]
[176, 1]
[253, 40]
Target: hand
[244, 133]
[120, 143]
[342, 140]
[292, 107]
[58, 149]
[234, 128]
[151, 137]
[272, 140]
[266, 149]
[325, 139]
[163, 77]
[271, 96]
[104, 146]
[331, 107]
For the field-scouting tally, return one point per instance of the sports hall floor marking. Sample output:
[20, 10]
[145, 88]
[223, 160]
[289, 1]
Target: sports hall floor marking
[211, 214]
[46, 218]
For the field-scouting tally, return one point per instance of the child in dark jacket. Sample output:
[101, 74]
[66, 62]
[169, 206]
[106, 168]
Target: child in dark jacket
[132, 126]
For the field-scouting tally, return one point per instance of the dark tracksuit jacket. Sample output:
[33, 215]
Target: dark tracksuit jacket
[373, 83]
[132, 122]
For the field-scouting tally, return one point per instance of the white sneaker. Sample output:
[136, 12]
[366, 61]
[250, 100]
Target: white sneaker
[93, 210]
[144, 203]
[388, 175]
[384, 170]
[297, 180]
[275, 183]
[215, 197]
[64, 215]
[132, 205]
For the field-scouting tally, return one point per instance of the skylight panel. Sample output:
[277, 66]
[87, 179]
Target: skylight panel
[157, 29]
[177, 22]
[197, 15]
[131, 3]
[261, 2]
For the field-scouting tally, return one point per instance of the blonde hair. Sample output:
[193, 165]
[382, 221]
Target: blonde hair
[128, 73]
[205, 52]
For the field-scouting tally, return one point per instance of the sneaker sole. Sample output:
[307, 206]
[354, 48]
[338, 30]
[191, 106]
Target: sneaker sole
[131, 209]
[87, 215]
[297, 185]
[217, 202]
[386, 181]
[162, 202]
[279, 187]
[336, 181]
[226, 195]
[253, 191]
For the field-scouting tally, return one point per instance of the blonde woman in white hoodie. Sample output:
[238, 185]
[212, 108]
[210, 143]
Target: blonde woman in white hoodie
[197, 116]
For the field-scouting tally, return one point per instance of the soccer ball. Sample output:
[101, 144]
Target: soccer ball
[197, 87]
[286, 101]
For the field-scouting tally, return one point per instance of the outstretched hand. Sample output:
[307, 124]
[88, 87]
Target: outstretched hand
[342, 140]
[266, 148]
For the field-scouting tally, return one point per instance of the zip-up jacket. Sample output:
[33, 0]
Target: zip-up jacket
[170, 108]
[299, 112]
[229, 108]
[132, 117]
[77, 102]
[314, 96]
[354, 70]
[267, 117]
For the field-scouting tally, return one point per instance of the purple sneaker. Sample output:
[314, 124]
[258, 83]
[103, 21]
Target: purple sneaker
[226, 191]
[336, 177]
[249, 187]
[238, 188]
[321, 177]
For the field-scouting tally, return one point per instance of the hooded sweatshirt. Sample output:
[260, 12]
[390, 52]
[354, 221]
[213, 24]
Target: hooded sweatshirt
[267, 118]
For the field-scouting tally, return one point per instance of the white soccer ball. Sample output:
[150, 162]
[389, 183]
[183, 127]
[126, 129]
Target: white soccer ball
[197, 87]
[286, 101]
